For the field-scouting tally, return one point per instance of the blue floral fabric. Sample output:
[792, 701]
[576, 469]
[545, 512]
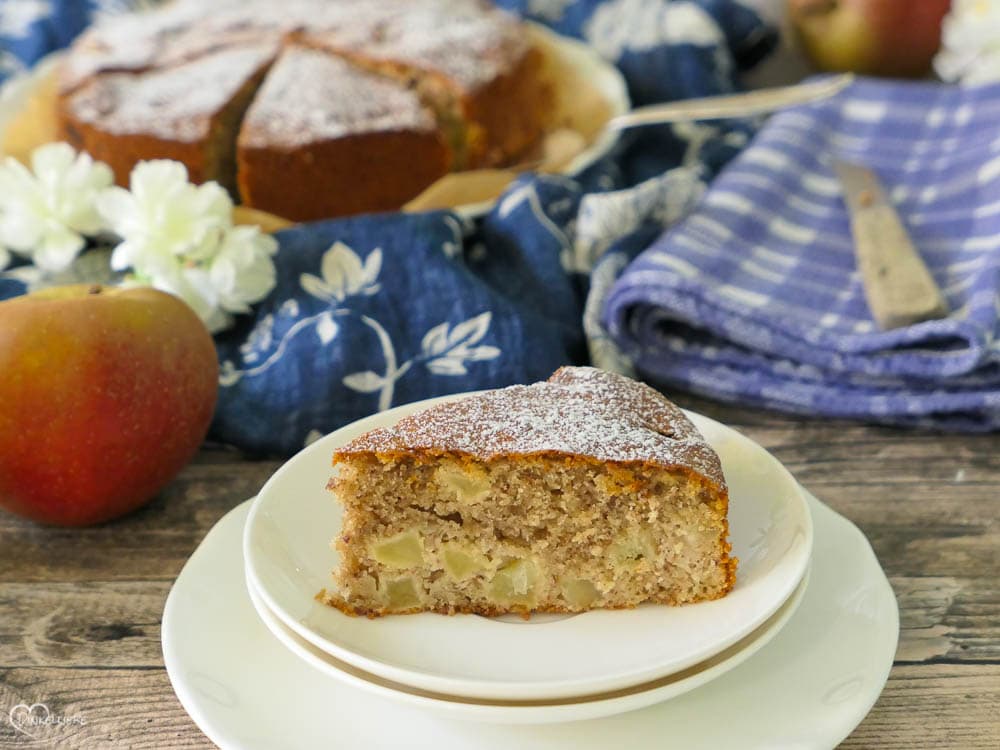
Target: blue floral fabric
[375, 311]
[368, 315]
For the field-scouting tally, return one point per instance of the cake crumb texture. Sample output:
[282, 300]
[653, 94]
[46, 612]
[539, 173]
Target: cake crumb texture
[586, 491]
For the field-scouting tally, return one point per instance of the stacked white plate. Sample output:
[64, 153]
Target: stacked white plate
[544, 670]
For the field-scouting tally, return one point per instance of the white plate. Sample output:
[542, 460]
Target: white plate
[807, 689]
[289, 559]
[536, 712]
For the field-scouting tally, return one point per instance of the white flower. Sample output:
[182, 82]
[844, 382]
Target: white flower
[175, 236]
[46, 212]
[163, 216]
[192, 284]
[242, 272]
[180, 238]
[970, 42]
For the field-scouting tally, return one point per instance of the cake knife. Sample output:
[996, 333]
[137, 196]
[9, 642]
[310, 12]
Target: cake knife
[759, 102]
[898, 287]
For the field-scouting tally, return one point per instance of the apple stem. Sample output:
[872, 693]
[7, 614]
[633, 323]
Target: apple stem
[95, 289]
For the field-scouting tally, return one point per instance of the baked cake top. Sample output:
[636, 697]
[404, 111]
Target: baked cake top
[126, 42]
[579, 411]
[175, 103]
[467, 40]
[310, 96]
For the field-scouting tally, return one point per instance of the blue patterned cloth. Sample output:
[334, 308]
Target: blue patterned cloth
[376, 311]
[755, 297]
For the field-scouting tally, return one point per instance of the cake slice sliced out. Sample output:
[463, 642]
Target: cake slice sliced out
[322, 136]
[189, 112]
[589, 490]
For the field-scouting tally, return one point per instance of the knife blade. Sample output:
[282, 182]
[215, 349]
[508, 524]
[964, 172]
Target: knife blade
[746, 104]
[898, 286]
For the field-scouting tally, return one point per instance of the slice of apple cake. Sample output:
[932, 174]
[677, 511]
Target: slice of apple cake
[589, 490]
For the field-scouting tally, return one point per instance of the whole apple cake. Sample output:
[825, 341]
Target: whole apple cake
[589, 490]
[379, 98]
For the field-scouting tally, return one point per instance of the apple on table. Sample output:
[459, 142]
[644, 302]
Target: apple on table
[895, 38]
[105, 394]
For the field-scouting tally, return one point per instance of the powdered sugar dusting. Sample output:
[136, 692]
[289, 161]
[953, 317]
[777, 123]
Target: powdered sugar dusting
[310, 96]
[578, 411]
[128, 41]
[177, 103]
[468, 41]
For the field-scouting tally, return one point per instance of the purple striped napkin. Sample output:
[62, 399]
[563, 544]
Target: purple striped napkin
[755, 297]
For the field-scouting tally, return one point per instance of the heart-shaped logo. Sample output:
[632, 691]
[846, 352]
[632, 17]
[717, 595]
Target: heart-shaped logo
[25, 718]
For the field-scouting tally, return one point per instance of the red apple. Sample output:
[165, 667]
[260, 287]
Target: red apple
[105, 394]
[896, 38]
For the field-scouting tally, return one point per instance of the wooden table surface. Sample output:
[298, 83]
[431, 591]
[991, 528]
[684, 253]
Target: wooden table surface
[80, 609]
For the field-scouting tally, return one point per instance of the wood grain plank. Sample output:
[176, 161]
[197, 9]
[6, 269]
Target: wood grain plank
[945, 618]
[152, 543]
[117, 623]
[927, 706]
[102, 708]
[87, 624]
[934, 706]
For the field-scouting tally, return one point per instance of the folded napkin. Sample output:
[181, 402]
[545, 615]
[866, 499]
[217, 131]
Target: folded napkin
[755, 297]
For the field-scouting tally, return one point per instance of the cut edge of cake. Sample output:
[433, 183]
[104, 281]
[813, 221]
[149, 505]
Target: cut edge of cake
[205, 140]
[588, 526]
[324, 142]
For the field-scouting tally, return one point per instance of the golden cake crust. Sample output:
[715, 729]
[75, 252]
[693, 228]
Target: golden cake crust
[580, 412]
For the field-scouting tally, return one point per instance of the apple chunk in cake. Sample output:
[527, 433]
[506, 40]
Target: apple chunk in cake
[589, 490]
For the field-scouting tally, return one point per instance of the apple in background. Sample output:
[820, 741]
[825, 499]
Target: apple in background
[896, 38]
[105, 394]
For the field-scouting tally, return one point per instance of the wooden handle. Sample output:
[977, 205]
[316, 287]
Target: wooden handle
[899, 288]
